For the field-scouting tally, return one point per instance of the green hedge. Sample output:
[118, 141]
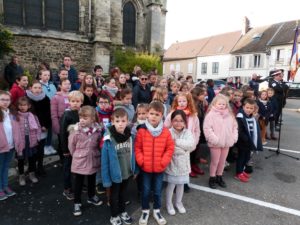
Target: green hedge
[127, 59]
[6, 38]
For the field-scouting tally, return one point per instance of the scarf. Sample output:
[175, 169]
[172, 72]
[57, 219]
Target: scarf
[33, 125]
[108, 111]
[118, 137]
[222, 112]
[155, 131]
[95, 127]
[112, 91]
[186, 110]
[35, 98]
[263, 101]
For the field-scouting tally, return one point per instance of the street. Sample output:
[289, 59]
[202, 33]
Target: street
[271, 197]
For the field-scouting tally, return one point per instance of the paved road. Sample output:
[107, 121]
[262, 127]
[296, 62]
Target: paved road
[271, 197]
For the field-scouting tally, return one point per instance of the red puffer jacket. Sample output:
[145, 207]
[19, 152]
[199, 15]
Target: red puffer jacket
[153, 154]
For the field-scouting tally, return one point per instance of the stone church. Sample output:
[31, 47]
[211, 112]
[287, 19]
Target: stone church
[87, 30]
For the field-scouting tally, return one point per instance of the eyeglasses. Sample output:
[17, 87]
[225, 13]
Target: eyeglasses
[144, 78]
[4, 100]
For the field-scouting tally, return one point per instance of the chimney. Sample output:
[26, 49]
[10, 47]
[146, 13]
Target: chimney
[246, 25]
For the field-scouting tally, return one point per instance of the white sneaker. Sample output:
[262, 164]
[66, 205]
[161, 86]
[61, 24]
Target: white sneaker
[144, 217]
[171, 210]
[115, 220]
[52, 150]
[180, 208]
[158, 217]
[33, 178]
[47, 150]
[22, 181]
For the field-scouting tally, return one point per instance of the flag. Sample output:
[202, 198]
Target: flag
[294, 57]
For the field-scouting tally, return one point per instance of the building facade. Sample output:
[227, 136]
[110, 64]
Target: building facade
[87, 30]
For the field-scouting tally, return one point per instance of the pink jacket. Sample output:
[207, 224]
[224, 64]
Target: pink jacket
[34, 129]
[58, 107]
[16, 136]
[85, 150]
[193, 126]
[220, 128]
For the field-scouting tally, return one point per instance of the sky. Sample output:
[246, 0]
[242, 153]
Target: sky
[195, 19]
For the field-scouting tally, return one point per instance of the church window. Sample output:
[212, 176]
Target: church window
[129, 24]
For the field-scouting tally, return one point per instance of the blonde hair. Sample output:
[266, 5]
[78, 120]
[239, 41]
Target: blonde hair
[218, 98]
[88, 111]
[190, 102]
[159, 94]
[75, 94]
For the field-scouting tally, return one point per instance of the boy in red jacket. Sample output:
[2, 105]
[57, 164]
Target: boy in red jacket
[154, 148]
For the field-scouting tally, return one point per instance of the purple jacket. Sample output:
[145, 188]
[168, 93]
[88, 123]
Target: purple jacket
[16, 136]
[34, 129]
[58, 107]
[84, 149]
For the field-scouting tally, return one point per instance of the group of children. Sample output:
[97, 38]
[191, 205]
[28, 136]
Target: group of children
[102, 137]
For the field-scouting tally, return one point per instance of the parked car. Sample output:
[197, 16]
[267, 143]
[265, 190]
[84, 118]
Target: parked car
[294, 90]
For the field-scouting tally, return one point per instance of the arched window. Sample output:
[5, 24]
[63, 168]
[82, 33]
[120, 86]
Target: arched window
[129, 22]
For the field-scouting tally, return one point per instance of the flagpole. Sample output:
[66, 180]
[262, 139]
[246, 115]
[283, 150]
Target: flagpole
[294, 56]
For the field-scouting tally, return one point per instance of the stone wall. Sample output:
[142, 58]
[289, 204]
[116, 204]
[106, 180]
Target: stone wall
[33, 50]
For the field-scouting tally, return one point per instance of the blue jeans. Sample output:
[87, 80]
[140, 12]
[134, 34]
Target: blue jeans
[5, 159]
[152, 182]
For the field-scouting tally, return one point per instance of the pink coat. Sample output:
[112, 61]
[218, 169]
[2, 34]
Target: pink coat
[193, 126]
[34, 130]
[58, 107]
[220, 128]
[16, 137]
[84, 150]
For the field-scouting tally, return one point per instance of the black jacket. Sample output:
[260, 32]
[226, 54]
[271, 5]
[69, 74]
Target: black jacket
[90, 101]
[141, 95]
[42, 110]
[68, 118]
[11, 71]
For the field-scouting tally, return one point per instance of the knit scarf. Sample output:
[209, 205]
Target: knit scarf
[118, 137]
[155, 131]
[186, 110]
[112, 91]
[33, 97]
[33, 125]
[108, 111]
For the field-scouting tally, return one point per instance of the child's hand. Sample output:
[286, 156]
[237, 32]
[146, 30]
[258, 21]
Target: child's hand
[44, 129]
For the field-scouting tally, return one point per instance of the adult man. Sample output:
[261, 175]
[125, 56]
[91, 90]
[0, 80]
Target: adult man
[72, 73]
[254, 84]
[12, 70]
[276, 83]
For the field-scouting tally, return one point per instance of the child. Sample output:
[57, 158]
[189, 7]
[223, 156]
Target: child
[175, 85]
[81, 76]
[237, 97]
[162, 82]
[184, 87]
[122, 84]
[104, 110]
[50, 90]
[185, 102]
[89, 96]
[98, 77]
[69, 117]
[154, 148]
[274, 111]
[264, 112]
[177, 173]
[18, 88]
[220, 130]
[59, 103]
[30, 130]
[10, 140]
[83, 143]
[125, 103]
[110, 87]
[62, 74]
[210, 90]
[161, 95]
[248, 138]
[40, 106]
[118, 165]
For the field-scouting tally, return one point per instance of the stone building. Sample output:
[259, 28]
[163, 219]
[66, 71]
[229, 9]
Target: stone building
[87, 30]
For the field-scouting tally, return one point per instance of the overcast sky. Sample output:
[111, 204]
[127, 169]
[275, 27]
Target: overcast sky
[194, 19]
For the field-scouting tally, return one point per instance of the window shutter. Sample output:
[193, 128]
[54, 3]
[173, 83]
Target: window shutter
[53, 14]
[33, 12]
[13, 13]
[71, 15]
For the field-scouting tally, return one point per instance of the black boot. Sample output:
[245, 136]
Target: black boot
[221, 182]
[212, 182]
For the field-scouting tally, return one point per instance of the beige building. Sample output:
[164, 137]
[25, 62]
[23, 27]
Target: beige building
[88, 30]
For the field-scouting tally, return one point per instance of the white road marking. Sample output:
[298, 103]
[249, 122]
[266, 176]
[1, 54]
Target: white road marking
[247, 199]
[282, 149]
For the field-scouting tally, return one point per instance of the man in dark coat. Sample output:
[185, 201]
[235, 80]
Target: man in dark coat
[12, 70]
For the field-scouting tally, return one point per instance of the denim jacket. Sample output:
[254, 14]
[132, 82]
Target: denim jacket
[110, 166]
